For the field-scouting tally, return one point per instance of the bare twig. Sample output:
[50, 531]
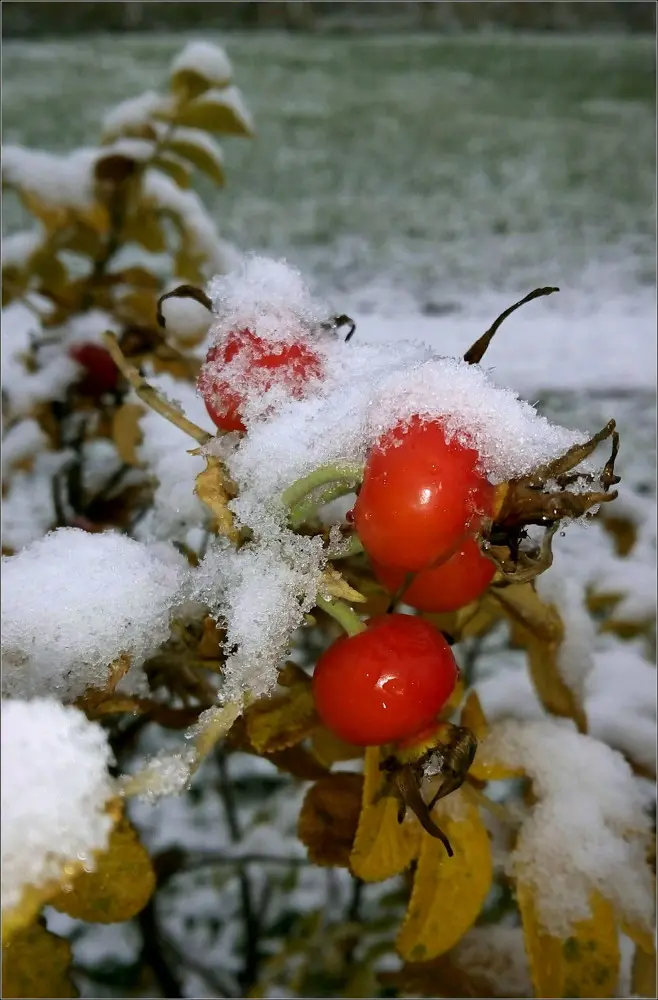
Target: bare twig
[151, 396]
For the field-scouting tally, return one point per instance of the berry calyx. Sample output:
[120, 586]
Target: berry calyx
[422, 495]
[453, 584]
[244, 364]
[100, 373]
[384, 684]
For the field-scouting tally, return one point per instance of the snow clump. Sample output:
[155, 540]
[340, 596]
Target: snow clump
[55, 788]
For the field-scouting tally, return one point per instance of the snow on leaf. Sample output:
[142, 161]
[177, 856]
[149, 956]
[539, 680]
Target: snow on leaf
[119, 885]
[55, 793]
[585, 964]
[216, 110]
[98, 596]
[587, 831]
[199, 66]
[36, 963]
[383, 847]
[329, 817]
[448, 893]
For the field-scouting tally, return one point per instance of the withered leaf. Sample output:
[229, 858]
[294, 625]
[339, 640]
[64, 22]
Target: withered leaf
[540, 630]
[36, 963]
[329, 817]
[442, 977]
[282, 720]
[330, 749]
[213, 489]
[126, 432]
[120, 885]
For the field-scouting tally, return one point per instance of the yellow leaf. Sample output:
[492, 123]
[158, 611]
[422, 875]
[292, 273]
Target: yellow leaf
[329, 817]
[33, 898]
[282, 720]
[329, 749]
[644, 973]
[126, 432]
[203, 153]
[448, 893]
[332, 584]
[540, 631]
[36, 963]
[120, 885]
[211, 487]
[177, 170]
[382, 846]
[586, 964]
[473, 717]
[221, 111]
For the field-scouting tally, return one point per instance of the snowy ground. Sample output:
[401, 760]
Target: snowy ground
[424, 184]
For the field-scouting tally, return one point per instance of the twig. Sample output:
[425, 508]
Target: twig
[151, 396]
[152, 953]
[249, 974]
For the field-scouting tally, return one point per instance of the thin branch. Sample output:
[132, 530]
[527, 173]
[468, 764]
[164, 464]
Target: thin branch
[151, 396]
[249, 973]
[153, 953]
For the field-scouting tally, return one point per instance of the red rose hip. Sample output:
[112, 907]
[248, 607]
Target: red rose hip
[245, 363]
[422, 495]
[386, 683]
[452, 585]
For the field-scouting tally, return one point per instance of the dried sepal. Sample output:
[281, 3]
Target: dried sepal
[476, 351]
[437, 766]
[544, 498]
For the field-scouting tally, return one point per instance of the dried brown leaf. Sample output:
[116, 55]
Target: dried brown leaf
[329, 817]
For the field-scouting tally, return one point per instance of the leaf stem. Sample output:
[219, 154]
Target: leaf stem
[349, 472]
[305, 508]
[342, 613]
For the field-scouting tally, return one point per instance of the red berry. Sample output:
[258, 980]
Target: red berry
[384, 684]
[459, 580]
[421, 496]
[257, 365]
[100, 374]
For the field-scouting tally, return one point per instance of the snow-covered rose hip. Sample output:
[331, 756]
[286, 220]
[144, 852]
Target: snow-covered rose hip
[422, 496]
[244, 364]
[455, 583]
[385, 684]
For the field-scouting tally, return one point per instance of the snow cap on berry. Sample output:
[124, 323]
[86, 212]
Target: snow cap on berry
[268, 297]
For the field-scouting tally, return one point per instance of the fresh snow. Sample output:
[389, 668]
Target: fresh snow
[206, 59]
[73, 602]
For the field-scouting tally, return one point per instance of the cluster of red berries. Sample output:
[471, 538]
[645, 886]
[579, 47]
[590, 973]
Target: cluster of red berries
[420, 505]
[418, 512]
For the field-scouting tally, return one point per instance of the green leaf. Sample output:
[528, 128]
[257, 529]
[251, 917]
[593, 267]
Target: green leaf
[221, 111]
